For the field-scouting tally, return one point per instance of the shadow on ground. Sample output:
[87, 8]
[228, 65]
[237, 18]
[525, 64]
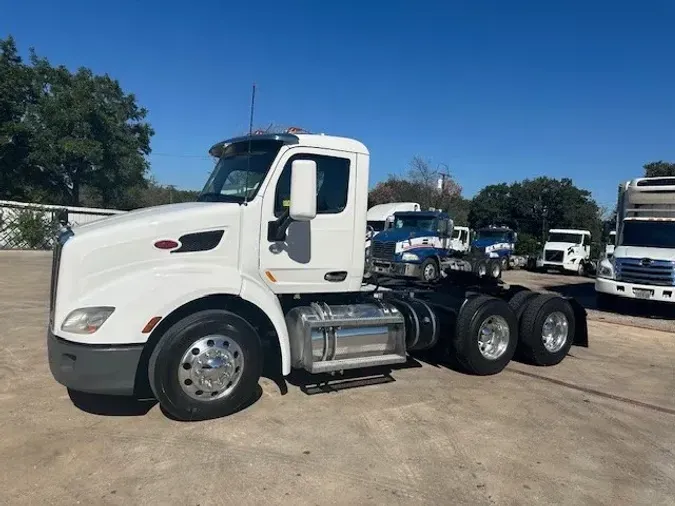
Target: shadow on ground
[585, 294]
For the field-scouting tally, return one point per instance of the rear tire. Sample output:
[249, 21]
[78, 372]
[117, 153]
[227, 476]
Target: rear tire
[547, 329]
[486, 335]
[206, 365]
[519, 301]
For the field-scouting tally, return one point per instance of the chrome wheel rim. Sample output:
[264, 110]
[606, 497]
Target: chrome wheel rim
[554, 332]
[429, 272]
[493, 337]
[211, 368]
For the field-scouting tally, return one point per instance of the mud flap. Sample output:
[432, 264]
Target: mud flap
[581, 330]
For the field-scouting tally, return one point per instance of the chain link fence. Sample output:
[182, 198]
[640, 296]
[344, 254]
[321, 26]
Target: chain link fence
[26, 226]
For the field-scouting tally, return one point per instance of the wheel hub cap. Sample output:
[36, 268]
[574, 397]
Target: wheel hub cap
[554, 332]
[493, 337]
[210, 368]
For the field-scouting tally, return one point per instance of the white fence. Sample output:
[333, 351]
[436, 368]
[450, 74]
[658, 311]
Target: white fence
[33, 226]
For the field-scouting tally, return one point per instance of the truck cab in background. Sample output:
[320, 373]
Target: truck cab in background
[496, 242]
[643, 263]
[414, 246]
[461, 240]
[567, 249]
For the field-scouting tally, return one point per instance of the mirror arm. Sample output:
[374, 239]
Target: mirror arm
[276, 230]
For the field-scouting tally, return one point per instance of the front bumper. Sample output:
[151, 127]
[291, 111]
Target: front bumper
[571, 266]
[402, 269]
[96, 369]
[635, 291]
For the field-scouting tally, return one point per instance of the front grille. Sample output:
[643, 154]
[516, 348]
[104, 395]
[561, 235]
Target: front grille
[56, 261]
[645, 271]
[553, 255]
[384, 250]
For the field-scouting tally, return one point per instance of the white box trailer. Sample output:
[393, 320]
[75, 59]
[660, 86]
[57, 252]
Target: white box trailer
[177, 300]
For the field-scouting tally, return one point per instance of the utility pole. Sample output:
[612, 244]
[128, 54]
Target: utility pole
[443, 175]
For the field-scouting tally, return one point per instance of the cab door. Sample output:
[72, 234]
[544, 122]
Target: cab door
[317, 255]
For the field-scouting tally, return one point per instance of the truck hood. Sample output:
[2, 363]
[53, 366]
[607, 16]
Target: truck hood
[640, 252]
[561, 245]
[151, 216]
[402, 234]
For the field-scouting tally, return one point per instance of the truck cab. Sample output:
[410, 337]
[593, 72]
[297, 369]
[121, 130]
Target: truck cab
[461, 240]
[643, 262]
[496, 242]
[414, 246]
[567, 249]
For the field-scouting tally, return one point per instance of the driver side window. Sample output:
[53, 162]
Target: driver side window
[332, 184]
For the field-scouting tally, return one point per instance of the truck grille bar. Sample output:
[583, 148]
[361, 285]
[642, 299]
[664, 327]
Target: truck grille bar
[384, 250]
[645, 271]
[552, 255]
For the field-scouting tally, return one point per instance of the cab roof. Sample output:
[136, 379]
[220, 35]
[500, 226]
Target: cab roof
[309, 140]
[568, 231]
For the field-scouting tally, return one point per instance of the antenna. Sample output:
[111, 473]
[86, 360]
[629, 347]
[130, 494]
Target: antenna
[250, 139]
[250, 123]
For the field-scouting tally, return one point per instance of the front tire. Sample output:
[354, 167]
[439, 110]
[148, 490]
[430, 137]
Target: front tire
[547, 329]
[486, 335]
[504, 262]
[206, 365]
[429, 270]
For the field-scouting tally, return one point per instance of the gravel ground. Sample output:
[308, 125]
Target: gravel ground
[595, 430]
[635, 313]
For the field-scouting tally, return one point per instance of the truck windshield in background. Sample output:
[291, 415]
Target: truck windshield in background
[423, 223]
[378, 226]
[648, 234]
[498, 235]
[562, 237]
[239, 172]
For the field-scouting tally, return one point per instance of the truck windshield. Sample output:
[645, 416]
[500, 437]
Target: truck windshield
[498, 235]
[563, 237]
[648, 234]
[378, 226]
[239, 172]
[414, 222]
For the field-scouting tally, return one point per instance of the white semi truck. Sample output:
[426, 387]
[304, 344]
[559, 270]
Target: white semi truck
[176, 301]
[611, 243]
[643, 263]
[568, 250]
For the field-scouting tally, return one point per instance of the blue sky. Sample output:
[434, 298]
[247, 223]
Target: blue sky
[497, 90]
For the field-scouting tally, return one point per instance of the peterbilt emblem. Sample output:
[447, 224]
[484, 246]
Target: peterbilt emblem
[646, 261]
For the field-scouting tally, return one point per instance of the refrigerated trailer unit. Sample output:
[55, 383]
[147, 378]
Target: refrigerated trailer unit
[177, 301]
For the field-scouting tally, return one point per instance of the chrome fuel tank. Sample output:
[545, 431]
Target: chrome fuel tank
[332, 338]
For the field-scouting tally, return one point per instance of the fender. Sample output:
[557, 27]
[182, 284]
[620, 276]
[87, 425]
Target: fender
[258, 294]
[142, 294]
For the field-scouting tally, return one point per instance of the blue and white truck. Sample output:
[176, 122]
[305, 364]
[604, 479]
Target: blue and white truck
[496, 242]
[420, 245]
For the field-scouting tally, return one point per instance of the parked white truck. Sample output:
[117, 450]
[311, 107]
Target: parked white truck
[643, 263]
[461, 240]
[177, 300]
[567, 249]
[611, 244]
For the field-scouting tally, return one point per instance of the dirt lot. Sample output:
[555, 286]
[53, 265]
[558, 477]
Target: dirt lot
[598, 429]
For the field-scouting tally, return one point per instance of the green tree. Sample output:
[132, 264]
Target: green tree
[659, 169]
[421, 186]
[63, 131]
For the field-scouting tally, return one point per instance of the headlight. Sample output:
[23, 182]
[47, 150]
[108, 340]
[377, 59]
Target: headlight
[606, 269]
[86, 320]
[409, 257]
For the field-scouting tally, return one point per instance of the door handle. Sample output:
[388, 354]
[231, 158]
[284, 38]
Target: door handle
[335, 277]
